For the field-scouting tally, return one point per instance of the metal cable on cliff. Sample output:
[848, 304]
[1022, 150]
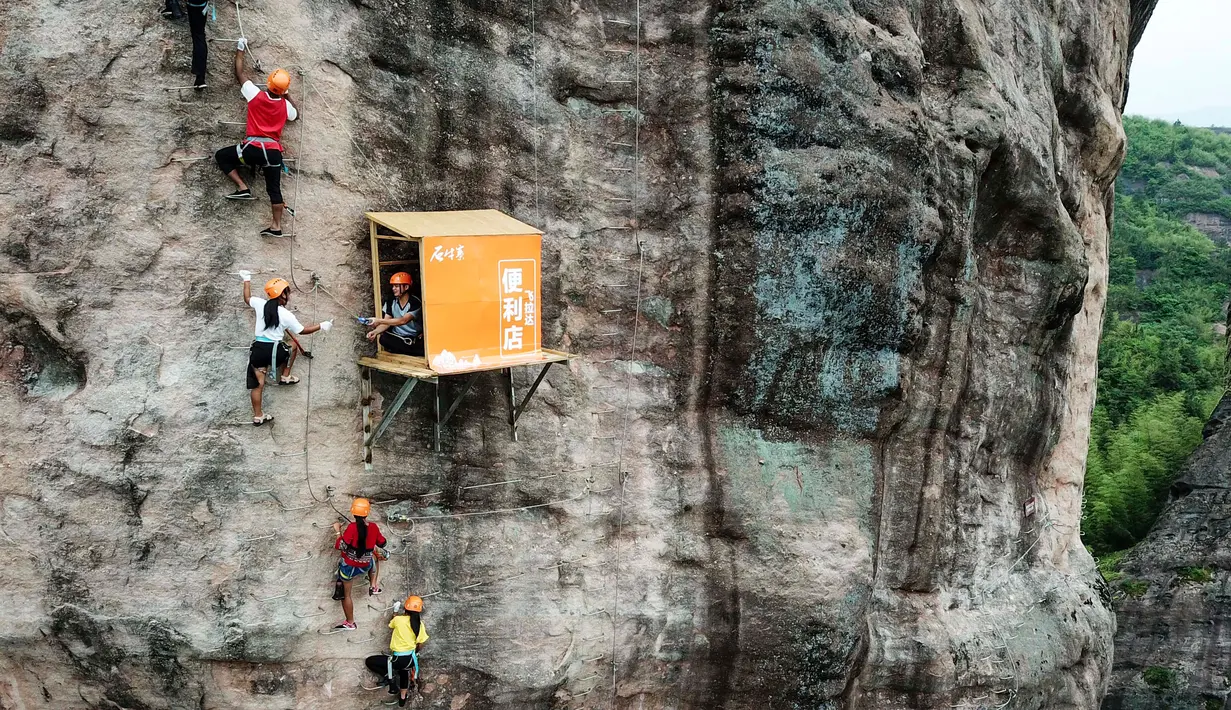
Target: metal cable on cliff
[632, 356]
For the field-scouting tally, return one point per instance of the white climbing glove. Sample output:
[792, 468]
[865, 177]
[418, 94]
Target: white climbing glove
[245, 275]
[326, 325]
[241, 45]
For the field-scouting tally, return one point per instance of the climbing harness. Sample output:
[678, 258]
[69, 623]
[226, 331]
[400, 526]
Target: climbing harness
[414, 658]
[206, 7]
[258, 141]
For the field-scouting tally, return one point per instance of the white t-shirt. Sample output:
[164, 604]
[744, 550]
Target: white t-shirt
[250, 92]
[287, 321]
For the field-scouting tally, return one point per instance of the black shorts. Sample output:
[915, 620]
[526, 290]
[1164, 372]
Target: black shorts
[404, 668]
[402, 346]
[259, 356]
[254, 158]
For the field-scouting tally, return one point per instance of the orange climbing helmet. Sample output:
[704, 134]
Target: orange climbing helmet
[413, 603]
[402, 278]
[360, 507]
[279, 81]
[275, 286]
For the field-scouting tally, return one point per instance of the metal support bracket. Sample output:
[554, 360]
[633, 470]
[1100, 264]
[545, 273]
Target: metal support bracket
[398, 401]
[516, 410]
[442, 420]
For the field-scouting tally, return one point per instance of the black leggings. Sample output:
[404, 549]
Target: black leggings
[402, 667]
[400, 346]
[254, 158]
[196, 24]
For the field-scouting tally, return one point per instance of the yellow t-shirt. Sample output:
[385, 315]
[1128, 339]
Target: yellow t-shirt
[403, 638]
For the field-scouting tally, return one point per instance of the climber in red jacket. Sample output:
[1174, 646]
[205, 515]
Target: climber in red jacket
[268, 112]
[361, 546]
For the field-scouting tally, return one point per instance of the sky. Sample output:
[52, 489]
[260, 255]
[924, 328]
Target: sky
[1182, 68]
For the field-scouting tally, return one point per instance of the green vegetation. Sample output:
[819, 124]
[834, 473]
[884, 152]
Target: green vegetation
[1160, 362]
[1159, 678]
[1180, 169]
[1200, 575]
[1109, 566]
[1135, 588]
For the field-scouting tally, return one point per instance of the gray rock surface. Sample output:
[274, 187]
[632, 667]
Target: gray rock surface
[1172, 648]
[1215, 226]
[836, 270]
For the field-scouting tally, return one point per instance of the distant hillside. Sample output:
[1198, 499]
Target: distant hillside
[1184, 170]
[1161, 357]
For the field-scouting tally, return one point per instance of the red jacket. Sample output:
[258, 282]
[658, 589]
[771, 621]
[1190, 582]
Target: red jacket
[349, 545]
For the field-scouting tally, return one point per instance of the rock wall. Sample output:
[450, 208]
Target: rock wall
[1171, 600]
[835, 270]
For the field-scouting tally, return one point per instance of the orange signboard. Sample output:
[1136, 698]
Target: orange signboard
[481, 300]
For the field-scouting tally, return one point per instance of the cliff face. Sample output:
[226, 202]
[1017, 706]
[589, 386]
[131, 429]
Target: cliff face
[836, 270]
[1171, 646]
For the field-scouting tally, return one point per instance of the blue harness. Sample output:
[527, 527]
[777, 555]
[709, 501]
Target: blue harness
[213, 11]
[413, 657]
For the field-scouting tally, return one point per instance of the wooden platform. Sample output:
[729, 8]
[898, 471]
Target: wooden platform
[417, 225]
[417, 368]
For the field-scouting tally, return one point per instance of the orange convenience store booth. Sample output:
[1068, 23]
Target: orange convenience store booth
[478, 274]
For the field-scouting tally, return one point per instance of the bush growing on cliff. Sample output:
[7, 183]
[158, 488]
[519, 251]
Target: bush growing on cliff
[1197, 575]
[1159, 678]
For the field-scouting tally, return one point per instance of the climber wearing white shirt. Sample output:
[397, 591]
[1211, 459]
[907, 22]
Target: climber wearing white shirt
[273, 321]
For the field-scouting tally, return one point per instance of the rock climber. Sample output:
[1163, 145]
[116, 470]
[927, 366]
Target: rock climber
[400, 327]
[268, 112]
[197, 12]
[273, 320]
[400, 669]
[361, 546]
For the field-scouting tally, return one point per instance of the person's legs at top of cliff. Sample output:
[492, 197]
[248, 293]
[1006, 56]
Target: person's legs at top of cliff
[355, 545]
[268, 112]
[197, 14]
[273, 321]
[172, 11]
[400, 326]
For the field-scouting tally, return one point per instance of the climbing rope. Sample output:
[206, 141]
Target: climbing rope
[303, 121]
[388, 184]
[534, 113]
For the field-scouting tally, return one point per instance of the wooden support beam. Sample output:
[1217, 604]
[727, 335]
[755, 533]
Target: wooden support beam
[365, 400]
[375, 280]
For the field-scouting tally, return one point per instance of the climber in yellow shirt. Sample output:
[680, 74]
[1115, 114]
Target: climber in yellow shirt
[399, 669]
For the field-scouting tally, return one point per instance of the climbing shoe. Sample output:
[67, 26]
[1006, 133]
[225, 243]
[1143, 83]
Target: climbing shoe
[199, 84]
[346, 626]
[241, 195]
[271, 232]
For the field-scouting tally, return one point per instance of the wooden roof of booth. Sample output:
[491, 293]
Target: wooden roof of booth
[461, 223]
